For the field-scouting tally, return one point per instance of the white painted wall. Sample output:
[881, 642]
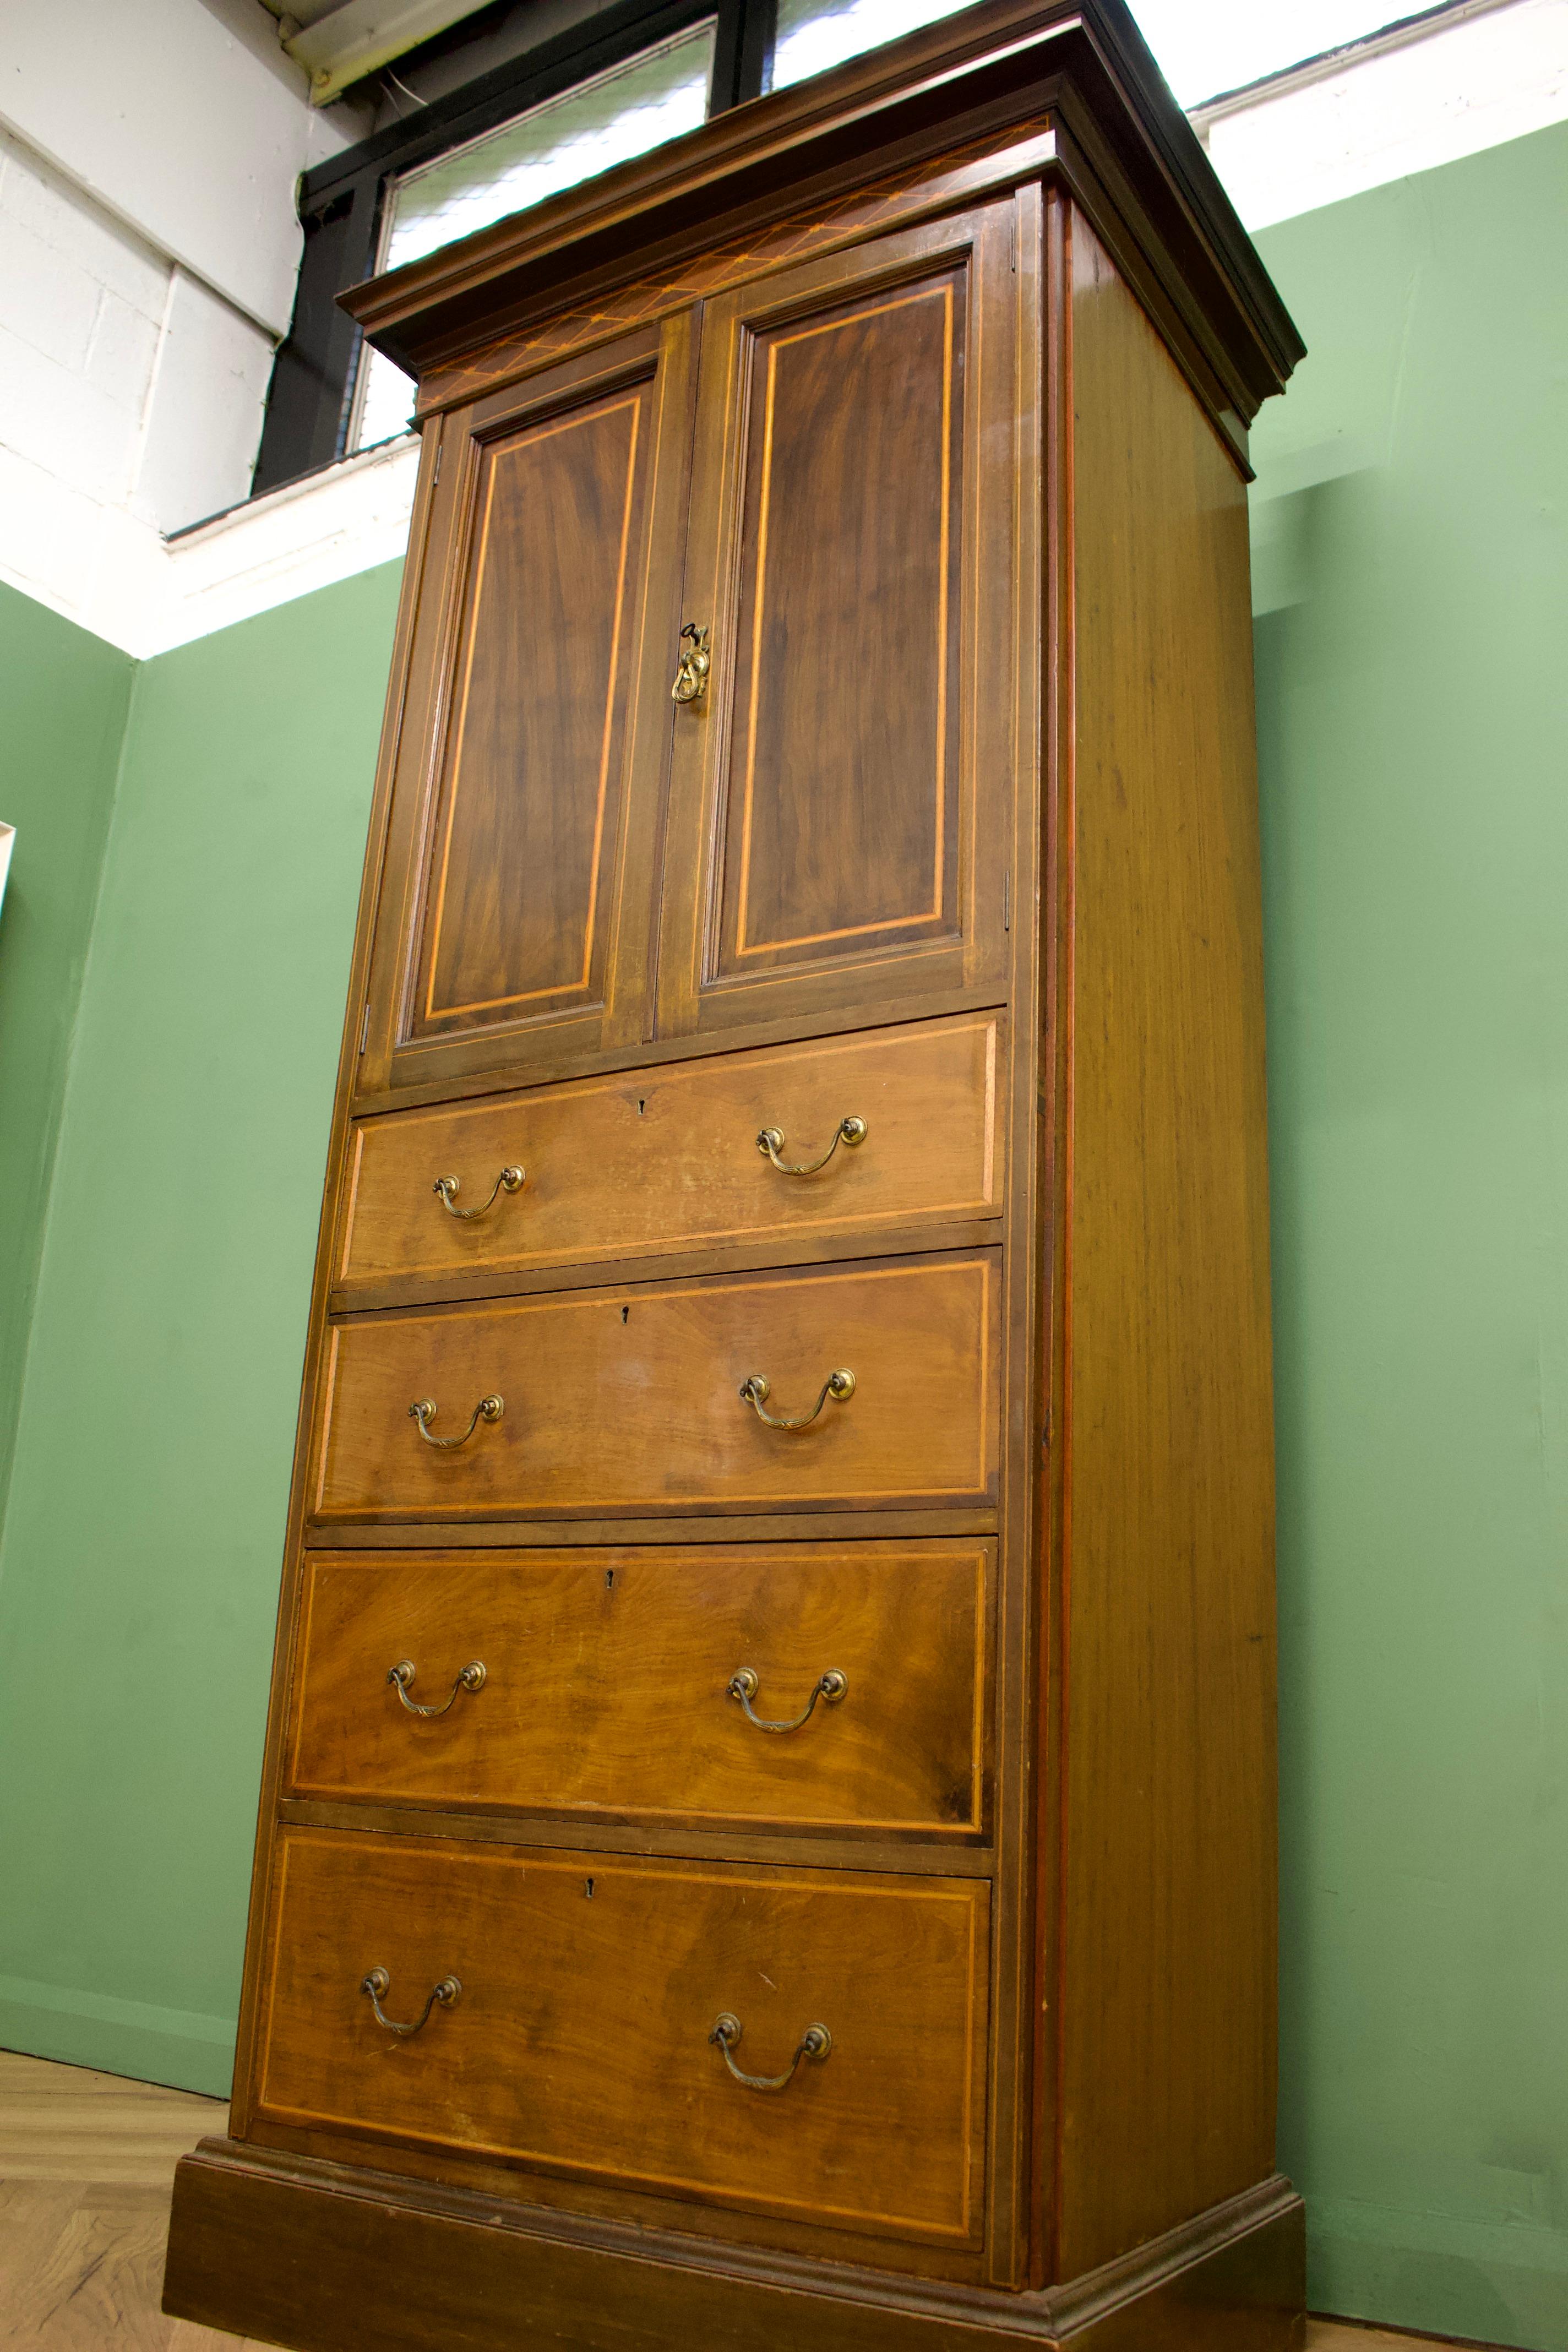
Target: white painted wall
[149, 248]
[131, 398]
[1404, 105]
[183, 119]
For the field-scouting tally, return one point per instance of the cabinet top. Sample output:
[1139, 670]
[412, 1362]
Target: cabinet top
[1077, 69]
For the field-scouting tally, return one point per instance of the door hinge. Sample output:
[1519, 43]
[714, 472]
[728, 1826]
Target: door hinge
[1012, 241]
[364, 1030]
[440, 453]
[1006, 898]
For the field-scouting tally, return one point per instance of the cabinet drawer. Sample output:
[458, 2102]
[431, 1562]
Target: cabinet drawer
[627, 1401]
[668, 1158]
[608, 1674]
[579, 2040]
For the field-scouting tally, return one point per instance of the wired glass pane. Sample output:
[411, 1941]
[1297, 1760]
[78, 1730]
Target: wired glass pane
[653, 97]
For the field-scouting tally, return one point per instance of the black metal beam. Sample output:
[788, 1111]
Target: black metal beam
[308, 406]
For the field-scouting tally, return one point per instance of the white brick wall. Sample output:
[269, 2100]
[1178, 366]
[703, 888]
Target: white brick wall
[128, 391]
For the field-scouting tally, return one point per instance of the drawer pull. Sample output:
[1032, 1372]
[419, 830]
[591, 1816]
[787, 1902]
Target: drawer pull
[770, 1143]
[756, 1389]
[743, 1686]
[447, 1188]
[423, 1410]
[378, 1981]
[815, 2042]
[691, 675]
[472, 1678]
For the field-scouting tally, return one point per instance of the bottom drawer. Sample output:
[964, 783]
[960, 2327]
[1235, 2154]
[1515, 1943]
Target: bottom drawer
[580, 2038]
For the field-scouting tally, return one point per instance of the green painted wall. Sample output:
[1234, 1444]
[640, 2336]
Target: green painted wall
[1413, 584]
[1412, 517]
[139, 1574]
[63, 698]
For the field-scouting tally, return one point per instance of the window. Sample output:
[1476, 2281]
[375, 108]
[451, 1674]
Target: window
[619, 114]
[816, 34]
[626, 75]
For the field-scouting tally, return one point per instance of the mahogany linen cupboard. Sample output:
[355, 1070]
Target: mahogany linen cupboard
[768, 1829]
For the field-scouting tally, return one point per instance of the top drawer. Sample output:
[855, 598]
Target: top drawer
[669, 1159]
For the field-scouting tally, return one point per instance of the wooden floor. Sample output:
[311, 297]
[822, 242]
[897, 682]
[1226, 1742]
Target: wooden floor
[86, 2165]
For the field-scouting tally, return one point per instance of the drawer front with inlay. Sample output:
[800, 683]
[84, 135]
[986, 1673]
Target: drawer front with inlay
[842, 1134]
[834, 1686]
[858, 1386]
[601, 2017]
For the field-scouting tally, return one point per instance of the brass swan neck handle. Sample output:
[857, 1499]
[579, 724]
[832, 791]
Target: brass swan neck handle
[472, 1678]
[770, 1143]
[447, 1188]
[742, 1685]
[815, 2042]
[423, 1410]
[756, 1389]
[376, 1981]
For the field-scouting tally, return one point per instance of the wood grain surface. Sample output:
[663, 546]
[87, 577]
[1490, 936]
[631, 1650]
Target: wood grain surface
[642, 1163]
[849, 541]
[579, 2041]
[1167, 1999]
[87, 2162]
[606, 1678]
[528, 816]
[527, 770]
[628, 1400]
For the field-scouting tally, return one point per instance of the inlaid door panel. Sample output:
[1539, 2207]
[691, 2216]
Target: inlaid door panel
[864, 1385]
[576, 2028]
[515, 920]
[602, 1682]
[850, 537]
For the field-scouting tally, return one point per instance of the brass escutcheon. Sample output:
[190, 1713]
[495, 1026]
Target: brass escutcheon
[691, 677]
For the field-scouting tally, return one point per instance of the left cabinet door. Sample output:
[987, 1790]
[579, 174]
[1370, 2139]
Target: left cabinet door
[512, 929]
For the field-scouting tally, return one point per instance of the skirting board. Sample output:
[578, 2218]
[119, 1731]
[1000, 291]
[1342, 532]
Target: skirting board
[182, 2048]
[321, 2258]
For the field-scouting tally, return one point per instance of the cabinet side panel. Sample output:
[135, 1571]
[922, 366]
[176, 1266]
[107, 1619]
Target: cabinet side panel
[1167, 1996]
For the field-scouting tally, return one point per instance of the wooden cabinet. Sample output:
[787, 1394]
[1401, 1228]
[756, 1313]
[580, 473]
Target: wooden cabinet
[768, 1829]
[654, 1681]
[851, 534]
[530, 762]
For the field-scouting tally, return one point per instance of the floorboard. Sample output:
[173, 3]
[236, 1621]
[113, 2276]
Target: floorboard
[87, 2165]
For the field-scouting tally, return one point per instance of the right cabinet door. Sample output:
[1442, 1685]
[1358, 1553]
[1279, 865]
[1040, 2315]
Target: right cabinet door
[835, 828]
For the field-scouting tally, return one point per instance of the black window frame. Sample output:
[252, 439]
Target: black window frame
[311, 400]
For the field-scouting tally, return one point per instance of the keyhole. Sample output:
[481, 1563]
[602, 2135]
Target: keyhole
[609, 1580]
[587, 1890]
[626, 1314]
[642, 1105]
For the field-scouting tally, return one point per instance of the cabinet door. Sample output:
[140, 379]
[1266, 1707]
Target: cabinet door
[517, 904]
[835, 828]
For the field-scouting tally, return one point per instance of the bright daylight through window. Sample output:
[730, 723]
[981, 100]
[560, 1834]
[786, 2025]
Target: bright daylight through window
[653, 97]
[1203, 47]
